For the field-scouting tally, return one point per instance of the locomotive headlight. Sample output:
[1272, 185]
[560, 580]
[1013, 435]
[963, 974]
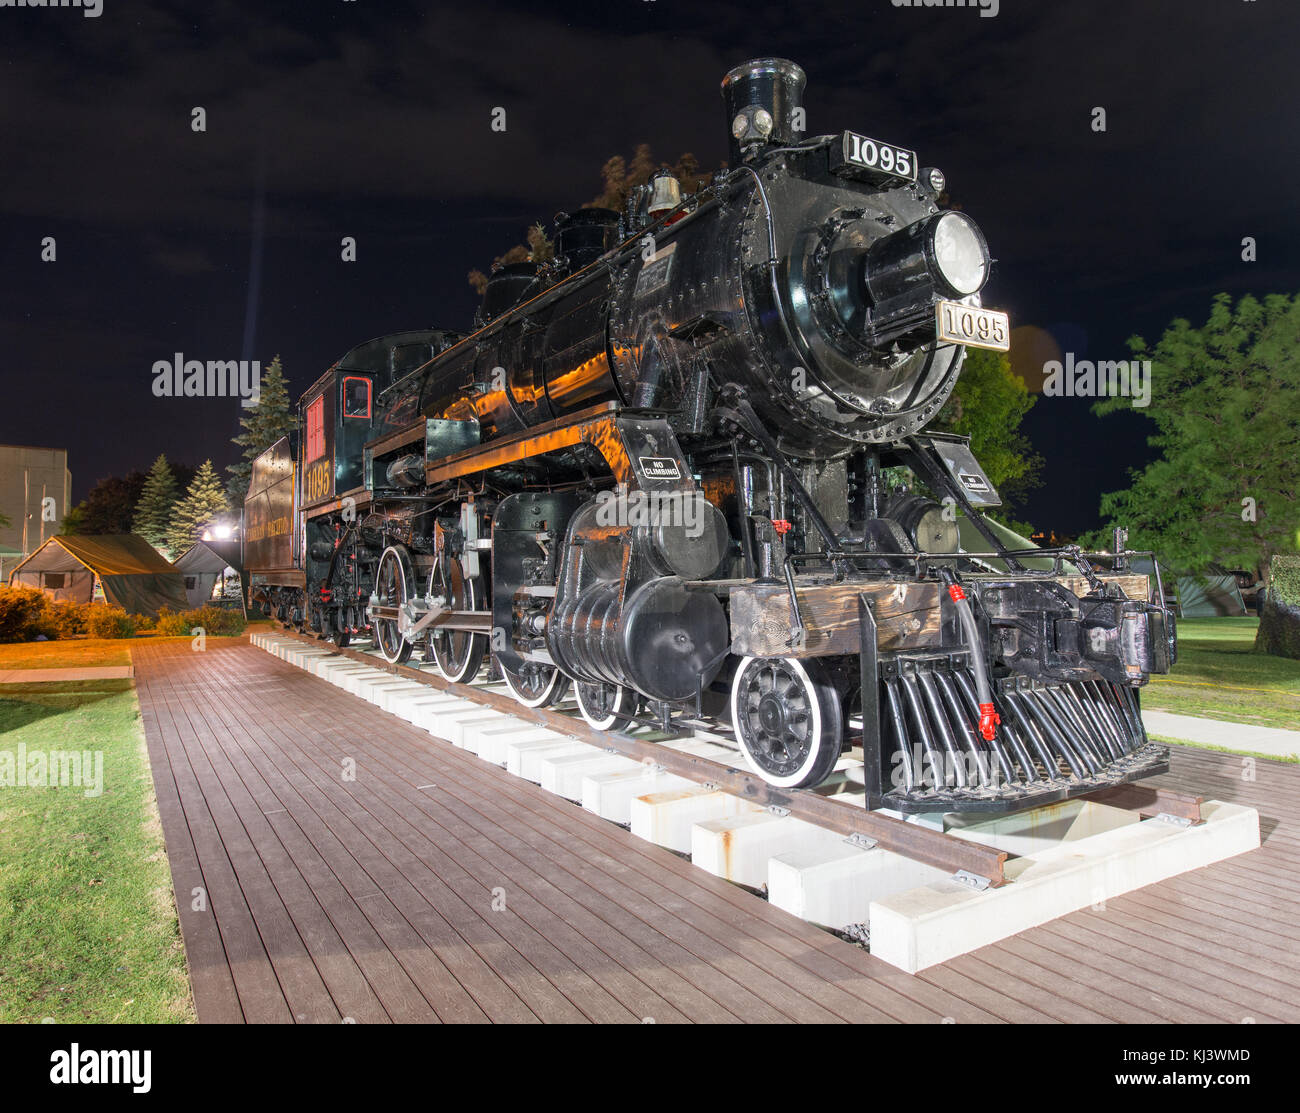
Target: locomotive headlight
[959, 254]
[903, 274]
[753, 125]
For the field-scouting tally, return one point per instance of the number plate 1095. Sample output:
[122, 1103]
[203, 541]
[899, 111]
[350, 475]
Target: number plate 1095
[977, 328]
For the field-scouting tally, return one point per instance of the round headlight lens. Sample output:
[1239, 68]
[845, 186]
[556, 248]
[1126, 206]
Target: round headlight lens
[960, 254]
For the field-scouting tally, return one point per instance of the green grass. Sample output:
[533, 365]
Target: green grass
[88, 928]
[1218, 676]
[82, 653]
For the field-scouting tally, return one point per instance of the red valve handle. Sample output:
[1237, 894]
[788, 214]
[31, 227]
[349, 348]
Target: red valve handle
[989, 721]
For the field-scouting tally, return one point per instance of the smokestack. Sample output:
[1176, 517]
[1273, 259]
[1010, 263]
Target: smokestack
[762, 98]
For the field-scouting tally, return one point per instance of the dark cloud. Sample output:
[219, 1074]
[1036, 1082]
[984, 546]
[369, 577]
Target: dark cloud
[336, 119]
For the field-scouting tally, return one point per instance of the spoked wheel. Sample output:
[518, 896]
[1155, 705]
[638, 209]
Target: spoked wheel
[535, 684]
[393, 581]
[788, 720]
[457, 653]
[606, 706]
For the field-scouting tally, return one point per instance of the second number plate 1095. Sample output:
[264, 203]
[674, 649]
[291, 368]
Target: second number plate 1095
[978, 328]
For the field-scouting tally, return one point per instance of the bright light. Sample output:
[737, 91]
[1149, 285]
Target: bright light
[960, 254]
[223, 532]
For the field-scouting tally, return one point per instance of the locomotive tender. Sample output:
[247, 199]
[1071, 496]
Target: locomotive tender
[658, 470]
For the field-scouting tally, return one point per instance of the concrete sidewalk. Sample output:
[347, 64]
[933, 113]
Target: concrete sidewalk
[39, 676]
[1232, 736]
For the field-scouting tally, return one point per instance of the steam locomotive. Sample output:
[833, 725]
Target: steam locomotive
[664, 469]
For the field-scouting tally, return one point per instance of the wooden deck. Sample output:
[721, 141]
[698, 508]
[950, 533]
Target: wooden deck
[347, 866]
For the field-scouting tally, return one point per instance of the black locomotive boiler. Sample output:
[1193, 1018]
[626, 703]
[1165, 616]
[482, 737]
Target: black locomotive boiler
[661, 471]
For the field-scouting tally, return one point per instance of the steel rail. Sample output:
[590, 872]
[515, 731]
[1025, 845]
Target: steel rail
[855, 823]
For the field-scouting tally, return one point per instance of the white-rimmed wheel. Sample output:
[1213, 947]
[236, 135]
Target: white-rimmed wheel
[606, 706]
[788, 720]
[393, 580]
[457, 653]
[535, 684]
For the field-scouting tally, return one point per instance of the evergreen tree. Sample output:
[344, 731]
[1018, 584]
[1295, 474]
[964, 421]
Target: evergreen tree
[202, 503]
[153, 513]
[272, 418]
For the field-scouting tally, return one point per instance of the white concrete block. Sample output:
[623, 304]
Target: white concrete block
[352, 682]
[337, 672]
[833, 885]
[666, 818]
[411, 706]
[491, 742]
[372, 691]
[454, 727]
[399, 690]
[738, 847]
[610, 794]
[522, 758]
[436, 717]
[563, 774]
[932, 923]
[1032, 832]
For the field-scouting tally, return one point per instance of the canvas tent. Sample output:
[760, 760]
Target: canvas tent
[204, 564]
[1209, 597]
[131, 572]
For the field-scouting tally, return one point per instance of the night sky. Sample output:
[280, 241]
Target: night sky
[372, 119]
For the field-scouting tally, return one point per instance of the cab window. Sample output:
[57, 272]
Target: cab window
[356, 396]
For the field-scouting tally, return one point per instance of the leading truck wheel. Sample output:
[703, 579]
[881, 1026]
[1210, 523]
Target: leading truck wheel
[788, 720]
[536, 685]
[606, 706]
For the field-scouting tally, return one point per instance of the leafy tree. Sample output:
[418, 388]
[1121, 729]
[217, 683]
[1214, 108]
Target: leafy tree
[203, 501]
[1225, 486]
[988, 404]
[109, 507]
[540, 249]
[272, 418]
[153, 513]
[620, 177]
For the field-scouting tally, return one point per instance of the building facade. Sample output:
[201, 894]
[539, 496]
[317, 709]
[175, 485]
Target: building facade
[35, 489]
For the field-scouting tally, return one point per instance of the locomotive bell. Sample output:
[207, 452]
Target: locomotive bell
[762, 98]
[665, 194]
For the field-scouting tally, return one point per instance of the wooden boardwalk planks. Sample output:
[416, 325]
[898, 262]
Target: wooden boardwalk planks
[353, 867]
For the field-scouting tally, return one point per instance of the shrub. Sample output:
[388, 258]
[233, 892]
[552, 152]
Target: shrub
[68, 618]
[104, 621]
[25, 615]
[216, 622]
